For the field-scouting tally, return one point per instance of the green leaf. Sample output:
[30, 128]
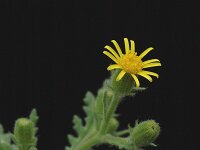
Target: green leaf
[33, 116]
[5, 146]
[5, 140]
[71, 139]
[82, 129]
[89, 119]
[89, 109]
[89, 98]
[78, 125]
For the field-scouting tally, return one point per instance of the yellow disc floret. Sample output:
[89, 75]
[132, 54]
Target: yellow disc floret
[131, 63]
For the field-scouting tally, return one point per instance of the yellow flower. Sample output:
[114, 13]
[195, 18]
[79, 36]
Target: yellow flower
[130, 62]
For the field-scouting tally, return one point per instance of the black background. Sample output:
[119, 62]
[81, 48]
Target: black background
[51, 54]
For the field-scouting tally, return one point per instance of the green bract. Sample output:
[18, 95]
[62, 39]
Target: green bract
[145, 133]
[124, 86]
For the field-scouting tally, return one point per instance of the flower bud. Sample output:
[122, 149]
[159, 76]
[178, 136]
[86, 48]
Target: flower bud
[24, 131]
[145, 133]
[113, 125]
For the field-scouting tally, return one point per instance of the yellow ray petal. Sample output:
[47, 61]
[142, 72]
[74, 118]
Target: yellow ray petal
[150, 61]
[132, 46]
[110, 56]
[112, 51]
[137, 82]
[115, 66]
[145, 52]
[118, 48]
[121, 74]
[145, 76]
[126, 45]
[151, 73]
[152, 65]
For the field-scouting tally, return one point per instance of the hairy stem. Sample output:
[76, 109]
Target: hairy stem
[121, 143]
[123, 132]
[87, 142]
[111, 109]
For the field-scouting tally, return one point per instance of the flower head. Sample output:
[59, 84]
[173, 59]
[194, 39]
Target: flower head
[144, 133]
[130, 62]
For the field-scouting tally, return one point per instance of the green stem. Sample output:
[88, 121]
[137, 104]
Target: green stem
[111, 109]
[87, 142]
[123, 132]
[117, 141]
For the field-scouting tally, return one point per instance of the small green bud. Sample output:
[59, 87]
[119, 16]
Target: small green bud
[123, 86]
[113, 125]
[24, 132]
[145, 133]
